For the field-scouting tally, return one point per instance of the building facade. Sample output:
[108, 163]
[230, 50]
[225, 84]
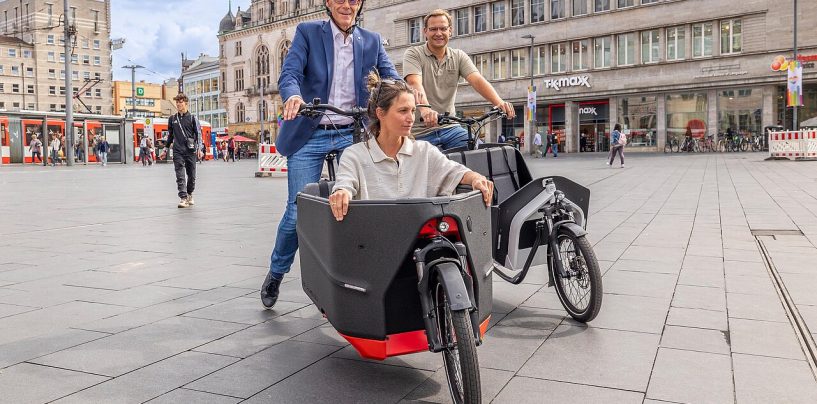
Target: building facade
[152, 100]
[661, 68]
[17, 79]
[201, 82]
[253, 44]
[38, 24]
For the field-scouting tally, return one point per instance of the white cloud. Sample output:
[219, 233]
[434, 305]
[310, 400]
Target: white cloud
[158, 31]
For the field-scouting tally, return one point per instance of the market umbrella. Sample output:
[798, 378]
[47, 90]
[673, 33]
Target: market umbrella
[238, 138]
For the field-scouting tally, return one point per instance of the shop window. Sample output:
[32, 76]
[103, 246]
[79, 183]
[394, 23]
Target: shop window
[740, 111]
[648, 1]
[414, 27]
[702, 39]
[579, 7]
[519, 63]
[581, 54]
[558, 58]
[498, 15]
[540, 60]
[649, 46]
[601, 5]
[500, 65]
[557, 9]
[602, 49]
[481, 18]
[517, 12]
[676, 43]
[463, 19]
[686, 115]
[731, 36]
[537, 10]
[625, 3]
[637, 116]
[626, 49]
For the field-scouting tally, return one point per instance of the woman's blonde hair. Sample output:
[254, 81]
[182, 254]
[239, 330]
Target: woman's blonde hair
[382, 93]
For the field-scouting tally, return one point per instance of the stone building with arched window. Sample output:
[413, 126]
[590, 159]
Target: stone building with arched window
[252, 46]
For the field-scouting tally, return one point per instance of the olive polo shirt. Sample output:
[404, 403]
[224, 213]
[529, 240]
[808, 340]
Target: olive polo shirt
[440, 79]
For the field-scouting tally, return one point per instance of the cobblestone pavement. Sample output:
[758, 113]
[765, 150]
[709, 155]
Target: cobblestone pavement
[109, 293]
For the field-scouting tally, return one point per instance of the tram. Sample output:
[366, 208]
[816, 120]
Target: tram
[17, 128]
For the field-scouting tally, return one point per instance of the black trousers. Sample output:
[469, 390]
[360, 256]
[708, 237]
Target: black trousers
[185, 163]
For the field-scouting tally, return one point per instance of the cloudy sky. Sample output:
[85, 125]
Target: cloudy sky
[158, 31]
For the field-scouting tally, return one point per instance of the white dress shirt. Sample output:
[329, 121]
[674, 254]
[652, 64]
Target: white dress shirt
[342, 89]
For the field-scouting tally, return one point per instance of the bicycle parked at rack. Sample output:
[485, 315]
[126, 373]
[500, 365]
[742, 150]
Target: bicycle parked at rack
[672, 145]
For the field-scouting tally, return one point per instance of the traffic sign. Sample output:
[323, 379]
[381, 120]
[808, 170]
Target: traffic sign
[140, 91]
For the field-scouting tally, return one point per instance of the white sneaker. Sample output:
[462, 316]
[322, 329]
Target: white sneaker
[607, 163]
[622, 166]
[183, 203]
[190, 200]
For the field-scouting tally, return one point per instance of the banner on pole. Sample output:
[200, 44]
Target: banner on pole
[531, 103]
[795, 84]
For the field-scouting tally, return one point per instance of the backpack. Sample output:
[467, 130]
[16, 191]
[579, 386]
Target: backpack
[622, 139]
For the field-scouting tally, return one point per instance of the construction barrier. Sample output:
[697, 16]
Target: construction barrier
[793, 145]
[270, 162]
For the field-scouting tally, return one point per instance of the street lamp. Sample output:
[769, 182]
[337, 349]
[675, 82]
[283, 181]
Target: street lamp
[133, 87]
[531, 89]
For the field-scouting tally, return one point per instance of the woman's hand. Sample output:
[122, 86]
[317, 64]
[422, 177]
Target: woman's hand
[482, 184]
[339, 203]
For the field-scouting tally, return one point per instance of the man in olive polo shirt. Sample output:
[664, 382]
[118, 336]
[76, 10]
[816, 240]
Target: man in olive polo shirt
[434, 71]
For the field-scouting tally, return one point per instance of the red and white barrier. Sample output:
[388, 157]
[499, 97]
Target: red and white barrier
[270, 162]
[794, 145]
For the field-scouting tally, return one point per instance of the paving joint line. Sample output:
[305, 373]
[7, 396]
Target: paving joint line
[801, 330]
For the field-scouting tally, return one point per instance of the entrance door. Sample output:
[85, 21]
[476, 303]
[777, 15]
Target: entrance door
[594, 130]
[16, 145]
[113, 136]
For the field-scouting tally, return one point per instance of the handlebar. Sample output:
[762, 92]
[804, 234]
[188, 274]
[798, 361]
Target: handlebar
[315, 108]
[446, 119]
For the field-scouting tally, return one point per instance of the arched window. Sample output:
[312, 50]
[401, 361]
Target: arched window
[262, 110]
[262, 67]
[239, 113]
[283, 54]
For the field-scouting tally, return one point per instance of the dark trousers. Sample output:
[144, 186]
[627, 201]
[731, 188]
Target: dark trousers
[36, 156]
[185, 163]
[617, 149]
[232, 154]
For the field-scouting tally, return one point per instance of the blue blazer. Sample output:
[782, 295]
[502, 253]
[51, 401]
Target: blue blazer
[307, 72]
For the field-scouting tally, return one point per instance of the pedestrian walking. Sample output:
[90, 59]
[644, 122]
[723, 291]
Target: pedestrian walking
[104, 147]
[143, 151]
[328, 60]
[184, 135]
[617, 142]
[552, 143]
[537, 145]
[55, 150]
[231, 147]
[36, 149]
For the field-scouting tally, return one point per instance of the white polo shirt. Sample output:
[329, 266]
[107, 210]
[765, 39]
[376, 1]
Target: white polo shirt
[420, 171]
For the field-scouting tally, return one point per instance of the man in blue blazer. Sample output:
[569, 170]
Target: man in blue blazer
[328, 60]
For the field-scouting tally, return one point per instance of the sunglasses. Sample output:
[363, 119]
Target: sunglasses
[351, 2]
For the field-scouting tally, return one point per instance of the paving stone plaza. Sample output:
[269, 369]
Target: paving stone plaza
[109, 293]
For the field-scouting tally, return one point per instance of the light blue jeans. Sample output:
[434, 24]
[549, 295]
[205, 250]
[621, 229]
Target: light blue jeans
[104, 157]
[447, 138]
[303, 167]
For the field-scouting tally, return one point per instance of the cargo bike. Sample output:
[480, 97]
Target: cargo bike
[404, 276]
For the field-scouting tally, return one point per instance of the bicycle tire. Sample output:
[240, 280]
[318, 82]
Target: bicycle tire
[667, 147]
[588, 278]
[460, 362]
[744, 146]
